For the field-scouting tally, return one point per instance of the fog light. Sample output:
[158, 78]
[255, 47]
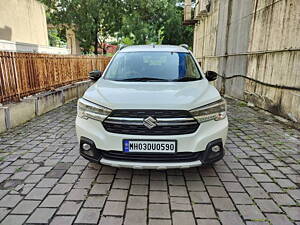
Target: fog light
[86, 147]
[216, 148]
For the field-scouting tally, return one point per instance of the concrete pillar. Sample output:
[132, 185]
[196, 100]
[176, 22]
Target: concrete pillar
[187, 10]
[72, 42]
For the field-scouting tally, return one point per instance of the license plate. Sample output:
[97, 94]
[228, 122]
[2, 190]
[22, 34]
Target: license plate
[149, 146]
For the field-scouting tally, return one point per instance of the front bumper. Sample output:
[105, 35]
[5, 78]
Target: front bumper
[142, 165]
[199, 158]
[200, 142]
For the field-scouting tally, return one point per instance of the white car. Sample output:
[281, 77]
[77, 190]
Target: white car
[152, 108]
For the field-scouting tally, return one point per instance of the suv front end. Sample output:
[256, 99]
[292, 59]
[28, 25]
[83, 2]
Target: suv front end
[152, 125]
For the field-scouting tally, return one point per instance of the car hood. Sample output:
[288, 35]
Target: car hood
[152, 95]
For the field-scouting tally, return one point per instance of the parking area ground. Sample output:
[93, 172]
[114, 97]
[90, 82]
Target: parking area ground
[43, 180]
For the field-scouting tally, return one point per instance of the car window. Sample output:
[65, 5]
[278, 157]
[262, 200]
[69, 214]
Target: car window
[169, 66]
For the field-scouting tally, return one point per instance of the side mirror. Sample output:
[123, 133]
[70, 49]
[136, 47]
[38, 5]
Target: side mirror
[211, 75]
[95, 75]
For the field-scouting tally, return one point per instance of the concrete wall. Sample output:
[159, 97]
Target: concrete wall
[23, 21]
[12, 115]
[205, 34]
[259, 39]
[25, 47]
[21, 112]
[2, 119]
[275, 28]
[205, 37]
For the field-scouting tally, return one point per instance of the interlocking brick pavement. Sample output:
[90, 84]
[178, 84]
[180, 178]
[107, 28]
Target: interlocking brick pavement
[43, 180]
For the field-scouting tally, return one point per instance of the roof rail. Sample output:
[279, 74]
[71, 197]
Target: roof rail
[184, 46]
[121, 46]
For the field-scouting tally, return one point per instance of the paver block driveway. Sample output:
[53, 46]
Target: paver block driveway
[43, 180]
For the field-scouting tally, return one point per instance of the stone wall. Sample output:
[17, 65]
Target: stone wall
[14, 114]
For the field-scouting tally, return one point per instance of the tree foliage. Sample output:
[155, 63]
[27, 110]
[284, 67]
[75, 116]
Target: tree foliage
[132, 21]
[143, 20]
[155, 21]
[90, 19]
[57, 37]
[175, 32]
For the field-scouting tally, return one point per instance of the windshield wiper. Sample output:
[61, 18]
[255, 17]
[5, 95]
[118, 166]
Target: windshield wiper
[145, 79]
[186, 79]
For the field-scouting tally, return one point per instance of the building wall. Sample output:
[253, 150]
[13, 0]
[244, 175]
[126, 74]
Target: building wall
[275, 31]
[259, 39]
[205, 36]
[23, 21]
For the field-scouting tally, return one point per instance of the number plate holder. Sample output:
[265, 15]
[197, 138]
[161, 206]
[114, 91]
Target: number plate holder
[150, 146]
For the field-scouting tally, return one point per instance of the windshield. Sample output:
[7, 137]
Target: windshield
[153, 66]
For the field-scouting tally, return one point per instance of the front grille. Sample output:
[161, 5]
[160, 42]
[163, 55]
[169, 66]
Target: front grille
[152, 157]
[169, 122]
[154, 113]
[142, 130]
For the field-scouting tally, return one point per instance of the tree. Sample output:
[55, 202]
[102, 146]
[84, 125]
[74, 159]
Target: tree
[57, 37]
[132, 21]
[92, 20]
[174, 32]
[155, 21]
[143, 20]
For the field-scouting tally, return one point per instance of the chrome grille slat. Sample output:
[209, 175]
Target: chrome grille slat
[159, 124]
[168, 122]
[158, 119]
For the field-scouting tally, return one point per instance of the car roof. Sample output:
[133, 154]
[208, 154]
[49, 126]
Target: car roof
[154, 48]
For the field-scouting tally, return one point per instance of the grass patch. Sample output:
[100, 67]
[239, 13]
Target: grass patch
[279, 143]
[242, 104]
[19, 169]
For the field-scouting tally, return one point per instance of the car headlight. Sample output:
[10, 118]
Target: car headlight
[213, 111]
[87, 109]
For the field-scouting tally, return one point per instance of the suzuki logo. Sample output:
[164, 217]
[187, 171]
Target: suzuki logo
[150, 122]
